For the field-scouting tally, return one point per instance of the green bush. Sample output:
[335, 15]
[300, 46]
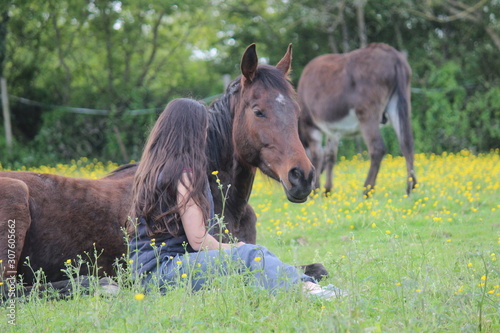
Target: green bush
[447, 117]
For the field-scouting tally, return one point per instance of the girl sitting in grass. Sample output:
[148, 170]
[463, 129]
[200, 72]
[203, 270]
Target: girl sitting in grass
[172, 205]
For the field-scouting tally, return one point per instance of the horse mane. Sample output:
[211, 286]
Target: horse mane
[219, 138]
[123, 171]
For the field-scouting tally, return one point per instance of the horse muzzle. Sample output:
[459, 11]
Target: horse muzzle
[300, 186]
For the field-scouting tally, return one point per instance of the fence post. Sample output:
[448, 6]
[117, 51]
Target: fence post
[6, 113]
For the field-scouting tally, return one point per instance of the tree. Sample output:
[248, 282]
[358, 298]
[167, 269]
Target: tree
[115, 56]
[105, 55]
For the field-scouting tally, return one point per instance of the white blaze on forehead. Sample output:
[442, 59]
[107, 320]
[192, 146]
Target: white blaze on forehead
[280, 99]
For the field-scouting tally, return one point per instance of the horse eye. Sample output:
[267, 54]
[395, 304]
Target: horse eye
[259, 113]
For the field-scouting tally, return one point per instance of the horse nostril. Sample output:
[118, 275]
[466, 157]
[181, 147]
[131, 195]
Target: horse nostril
[312, 176]
[295, 175]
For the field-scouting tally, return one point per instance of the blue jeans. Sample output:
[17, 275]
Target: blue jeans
[262, 267]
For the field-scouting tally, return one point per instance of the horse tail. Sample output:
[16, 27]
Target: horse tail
[403, 108]
[400, 115]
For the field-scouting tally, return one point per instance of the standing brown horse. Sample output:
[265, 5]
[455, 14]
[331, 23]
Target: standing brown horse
[345, 94]
[253, 125]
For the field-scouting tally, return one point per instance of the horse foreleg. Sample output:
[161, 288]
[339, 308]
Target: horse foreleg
[248, 226]
[376, 148]
[15, 220]
[316, 153]
[329, 161]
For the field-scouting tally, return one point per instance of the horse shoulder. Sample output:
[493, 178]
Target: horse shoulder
[15, 220]
[11, 190]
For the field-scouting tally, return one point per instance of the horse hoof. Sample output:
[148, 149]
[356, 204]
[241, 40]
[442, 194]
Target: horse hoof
[316, 271]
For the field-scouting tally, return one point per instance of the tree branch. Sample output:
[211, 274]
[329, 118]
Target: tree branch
[460, 11]
[152, 55]
[466, 12]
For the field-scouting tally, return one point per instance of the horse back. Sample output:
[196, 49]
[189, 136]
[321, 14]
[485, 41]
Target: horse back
[333, 84]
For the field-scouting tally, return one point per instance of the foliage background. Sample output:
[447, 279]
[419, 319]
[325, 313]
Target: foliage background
[124, 56]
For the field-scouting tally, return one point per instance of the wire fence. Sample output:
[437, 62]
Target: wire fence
[138, 112]
[96, 112]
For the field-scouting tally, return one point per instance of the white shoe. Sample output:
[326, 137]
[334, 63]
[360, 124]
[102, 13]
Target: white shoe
[327, 292]
[108, 287]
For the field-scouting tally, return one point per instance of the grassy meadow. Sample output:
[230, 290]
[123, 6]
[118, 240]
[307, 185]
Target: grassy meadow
[429, 262]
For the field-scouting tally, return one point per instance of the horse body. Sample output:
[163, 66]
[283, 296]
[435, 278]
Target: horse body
[253, 125]
[58, 217]
[347, 94]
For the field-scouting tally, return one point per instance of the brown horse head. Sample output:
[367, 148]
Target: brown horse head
[265, 127]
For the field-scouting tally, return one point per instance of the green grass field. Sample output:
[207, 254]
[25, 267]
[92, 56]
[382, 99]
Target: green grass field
[429, 262]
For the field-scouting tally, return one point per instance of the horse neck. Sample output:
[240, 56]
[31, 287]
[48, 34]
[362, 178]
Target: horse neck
[222, 157]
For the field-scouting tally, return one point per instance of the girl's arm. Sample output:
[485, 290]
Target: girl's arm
[193, 223]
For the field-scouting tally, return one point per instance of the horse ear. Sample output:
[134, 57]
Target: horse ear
[285, 64]
[249, 63]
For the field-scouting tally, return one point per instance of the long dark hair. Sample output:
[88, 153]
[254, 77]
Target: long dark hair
[176, 145]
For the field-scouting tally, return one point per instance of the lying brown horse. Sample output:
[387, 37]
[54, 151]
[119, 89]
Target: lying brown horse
[345, 94]
[253, 125]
